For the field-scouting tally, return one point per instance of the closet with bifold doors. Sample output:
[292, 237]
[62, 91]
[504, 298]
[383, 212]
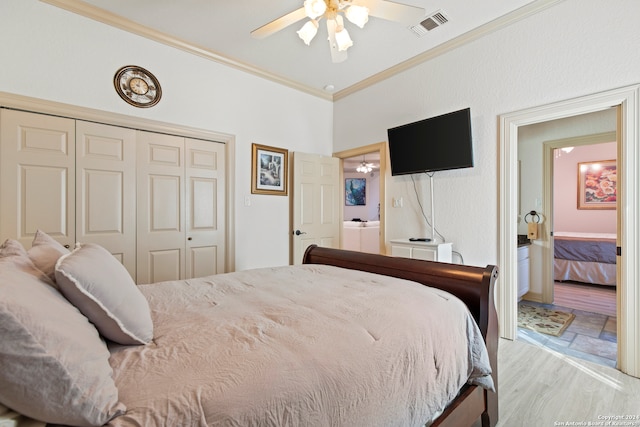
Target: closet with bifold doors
[155, 201]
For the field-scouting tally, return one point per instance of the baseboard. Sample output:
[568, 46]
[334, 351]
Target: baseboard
[532, 296]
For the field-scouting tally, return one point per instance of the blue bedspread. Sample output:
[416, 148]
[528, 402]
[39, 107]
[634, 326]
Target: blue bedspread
[585, 249]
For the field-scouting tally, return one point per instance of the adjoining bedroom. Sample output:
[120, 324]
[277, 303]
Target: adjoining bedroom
[578, 301]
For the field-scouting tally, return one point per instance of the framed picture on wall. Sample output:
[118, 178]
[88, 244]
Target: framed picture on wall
[597, 185]
[268, 170]
[355, 191]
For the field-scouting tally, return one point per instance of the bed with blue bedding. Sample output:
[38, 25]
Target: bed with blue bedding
[585, 257]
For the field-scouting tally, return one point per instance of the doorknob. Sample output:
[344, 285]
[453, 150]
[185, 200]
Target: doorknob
[298, 232]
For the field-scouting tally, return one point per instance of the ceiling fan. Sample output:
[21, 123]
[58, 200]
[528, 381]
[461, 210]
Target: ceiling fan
[364, 166]
[356, 11]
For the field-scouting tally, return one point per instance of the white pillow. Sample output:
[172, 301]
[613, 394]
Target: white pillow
[45, 252]
[102, 289]
[55, 366]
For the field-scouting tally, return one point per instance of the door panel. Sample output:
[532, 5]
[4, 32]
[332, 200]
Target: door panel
[160, 206]
[40, 188]
[105, 182]
[315, 203]
[37, 168]
[103, 202]
[164, 265]
[203, 261]
[165, 193]
[205, 177]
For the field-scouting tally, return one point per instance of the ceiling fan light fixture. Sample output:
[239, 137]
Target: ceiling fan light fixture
[343, 41]
[357, 15]
[364, 167]
[308, 31]
[315, 8]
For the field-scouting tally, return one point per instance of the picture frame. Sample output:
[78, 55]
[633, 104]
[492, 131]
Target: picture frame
[597, 185]
[269, 170]
[355, 191]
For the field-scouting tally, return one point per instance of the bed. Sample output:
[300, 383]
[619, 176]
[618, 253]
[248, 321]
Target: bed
[585, 257]
[338, 340]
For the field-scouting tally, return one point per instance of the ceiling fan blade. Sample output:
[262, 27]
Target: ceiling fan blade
[336, 55]
[391, 11]
[279, 24]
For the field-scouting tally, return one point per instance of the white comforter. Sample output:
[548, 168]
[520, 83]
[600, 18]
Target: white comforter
[304, 345]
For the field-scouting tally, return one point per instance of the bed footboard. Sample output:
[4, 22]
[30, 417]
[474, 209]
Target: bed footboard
[473, 285]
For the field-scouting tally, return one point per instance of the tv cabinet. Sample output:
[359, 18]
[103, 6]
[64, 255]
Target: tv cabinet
[429, 251]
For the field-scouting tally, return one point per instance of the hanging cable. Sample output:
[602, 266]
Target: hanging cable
[415, 189]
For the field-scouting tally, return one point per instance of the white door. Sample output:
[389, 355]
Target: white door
[106, 189]
[205, 200]
[316, 197]
[37, 161]
[161, 208]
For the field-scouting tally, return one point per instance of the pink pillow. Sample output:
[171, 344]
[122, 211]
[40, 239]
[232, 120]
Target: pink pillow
[45, 252]
[102, 289]
[55, 366]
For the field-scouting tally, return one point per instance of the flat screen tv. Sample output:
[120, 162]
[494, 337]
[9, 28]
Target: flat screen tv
[433, 144]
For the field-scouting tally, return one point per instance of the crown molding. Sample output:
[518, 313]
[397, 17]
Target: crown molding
[92, 12]
[496, 24]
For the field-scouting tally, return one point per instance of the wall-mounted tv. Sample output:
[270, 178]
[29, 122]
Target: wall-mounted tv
[433, 144]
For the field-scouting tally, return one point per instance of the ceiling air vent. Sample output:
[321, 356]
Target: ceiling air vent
[431, 22]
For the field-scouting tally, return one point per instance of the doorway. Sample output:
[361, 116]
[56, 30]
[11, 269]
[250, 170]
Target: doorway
[628, 299]
[350, 159]
[580, 274]
[361, 207]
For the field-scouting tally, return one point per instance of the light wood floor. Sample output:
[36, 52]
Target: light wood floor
[539, 387]
[593, 298]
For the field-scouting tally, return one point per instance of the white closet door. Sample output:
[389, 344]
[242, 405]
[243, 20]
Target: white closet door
[37, 158]
[205, 172]
[161, 208]
[106, 189]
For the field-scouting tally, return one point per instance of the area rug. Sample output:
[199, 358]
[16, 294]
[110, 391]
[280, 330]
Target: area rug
[544, 320]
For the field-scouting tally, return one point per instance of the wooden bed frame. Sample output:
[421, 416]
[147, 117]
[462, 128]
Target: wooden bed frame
[473, 285]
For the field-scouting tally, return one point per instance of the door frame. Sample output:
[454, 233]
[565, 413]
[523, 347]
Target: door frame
[380, 147]
[627, 99]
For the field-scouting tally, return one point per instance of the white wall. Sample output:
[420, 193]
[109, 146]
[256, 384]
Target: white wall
[52, 54]
[569, 50]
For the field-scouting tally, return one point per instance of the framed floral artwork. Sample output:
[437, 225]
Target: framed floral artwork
[597, 185]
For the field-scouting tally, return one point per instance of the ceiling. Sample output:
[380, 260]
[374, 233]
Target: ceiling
[220, 30]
